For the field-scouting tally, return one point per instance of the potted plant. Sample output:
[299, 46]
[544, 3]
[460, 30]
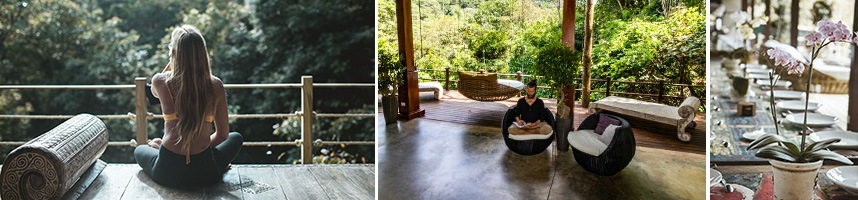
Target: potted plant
[744, 29]
[796, 166]
[390, 72]
[560, 66]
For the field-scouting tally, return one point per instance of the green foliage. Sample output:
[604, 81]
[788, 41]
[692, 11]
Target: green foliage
[330, 129]
[390, 68]
[633, 40]
[683, 49]
[556, 61]
[495, 15]
[489, 45]
[670, 50]
[114, 41]
[788, 151]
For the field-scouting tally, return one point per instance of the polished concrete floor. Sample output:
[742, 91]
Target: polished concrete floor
[429, 159]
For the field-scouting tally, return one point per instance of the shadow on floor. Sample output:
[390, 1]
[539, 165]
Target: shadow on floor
[429, 159]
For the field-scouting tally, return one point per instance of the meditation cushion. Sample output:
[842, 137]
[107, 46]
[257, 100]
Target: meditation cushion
[530, 136]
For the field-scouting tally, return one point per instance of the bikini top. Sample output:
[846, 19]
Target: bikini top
[173, 116]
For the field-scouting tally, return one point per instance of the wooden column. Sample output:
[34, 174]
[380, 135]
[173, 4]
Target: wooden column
[793, 24]
[409, 101]
[587, 53]
[744, 5]
[141, 114]
[852, 113]
[767, 28]
[307, 116]
[568, 28]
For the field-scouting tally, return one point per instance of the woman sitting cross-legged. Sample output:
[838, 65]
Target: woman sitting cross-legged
[192, 100]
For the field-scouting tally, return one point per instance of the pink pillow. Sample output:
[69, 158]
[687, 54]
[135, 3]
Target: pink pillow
[604, 121]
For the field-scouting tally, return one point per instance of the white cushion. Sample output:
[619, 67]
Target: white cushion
[431, 87]
[511, 83]
[587, 141]
[608, 135]
[530, 136]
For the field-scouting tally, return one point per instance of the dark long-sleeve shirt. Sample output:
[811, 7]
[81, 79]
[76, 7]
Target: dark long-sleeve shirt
[531, 113]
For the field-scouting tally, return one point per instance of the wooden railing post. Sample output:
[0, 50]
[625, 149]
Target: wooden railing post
[307, 119]
[660, 90]
[482, 71]
[141, 113]
[608, 87]
[518, 77]
[446, 79]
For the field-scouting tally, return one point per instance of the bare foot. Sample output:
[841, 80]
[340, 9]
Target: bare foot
[228, 166]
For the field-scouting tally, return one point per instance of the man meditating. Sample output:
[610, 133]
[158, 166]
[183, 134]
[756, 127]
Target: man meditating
[530, 114]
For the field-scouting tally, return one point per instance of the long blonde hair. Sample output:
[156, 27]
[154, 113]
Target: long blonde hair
[192, 80]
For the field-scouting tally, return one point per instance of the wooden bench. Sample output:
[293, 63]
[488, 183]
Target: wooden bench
[682, 117]
[432, 87]
[52, 163]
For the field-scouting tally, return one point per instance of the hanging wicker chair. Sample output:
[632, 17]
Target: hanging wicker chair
[526, 147]
[485, 87]
[616, 156]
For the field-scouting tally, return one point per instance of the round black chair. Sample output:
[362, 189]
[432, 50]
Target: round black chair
[526, 147]
[616, 156]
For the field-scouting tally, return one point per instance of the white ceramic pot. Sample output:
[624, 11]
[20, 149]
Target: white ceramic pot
[794, 180]
[730, 65]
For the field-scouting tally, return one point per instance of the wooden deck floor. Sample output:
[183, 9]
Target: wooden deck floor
[454, 107]
[127, 181]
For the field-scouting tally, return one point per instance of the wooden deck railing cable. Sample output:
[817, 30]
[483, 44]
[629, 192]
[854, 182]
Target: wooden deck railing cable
[608, 83]
[306, 86]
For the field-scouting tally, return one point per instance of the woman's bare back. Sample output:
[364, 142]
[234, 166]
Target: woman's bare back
[202, 140]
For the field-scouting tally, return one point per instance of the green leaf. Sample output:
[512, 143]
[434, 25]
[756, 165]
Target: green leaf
[776, 152]
[816, 146]
[826, 154]
[765, 140]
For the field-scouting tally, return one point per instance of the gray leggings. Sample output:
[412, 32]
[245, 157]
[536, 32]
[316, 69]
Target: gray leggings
[206, 168]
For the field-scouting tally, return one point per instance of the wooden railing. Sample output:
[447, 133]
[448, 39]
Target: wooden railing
[660, 95]
[139, 87]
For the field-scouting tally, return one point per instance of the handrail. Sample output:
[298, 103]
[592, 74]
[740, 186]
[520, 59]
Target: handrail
[518, 76]
[242, 85]
[306, 86]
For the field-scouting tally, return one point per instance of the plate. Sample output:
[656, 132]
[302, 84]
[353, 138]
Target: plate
[848, 140]
[745, 192]
[754, 70]
[751, 136]
[813, 119]
[714, 177]
[759, 76]
[797, 105]
[754, 66]
[845, 177]
[788, 94]
[780, 83]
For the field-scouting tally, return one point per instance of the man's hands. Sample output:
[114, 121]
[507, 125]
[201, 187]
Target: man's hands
[533, 125]
[155, 143]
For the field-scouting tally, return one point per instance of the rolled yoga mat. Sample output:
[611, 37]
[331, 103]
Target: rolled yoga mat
[47, 166]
